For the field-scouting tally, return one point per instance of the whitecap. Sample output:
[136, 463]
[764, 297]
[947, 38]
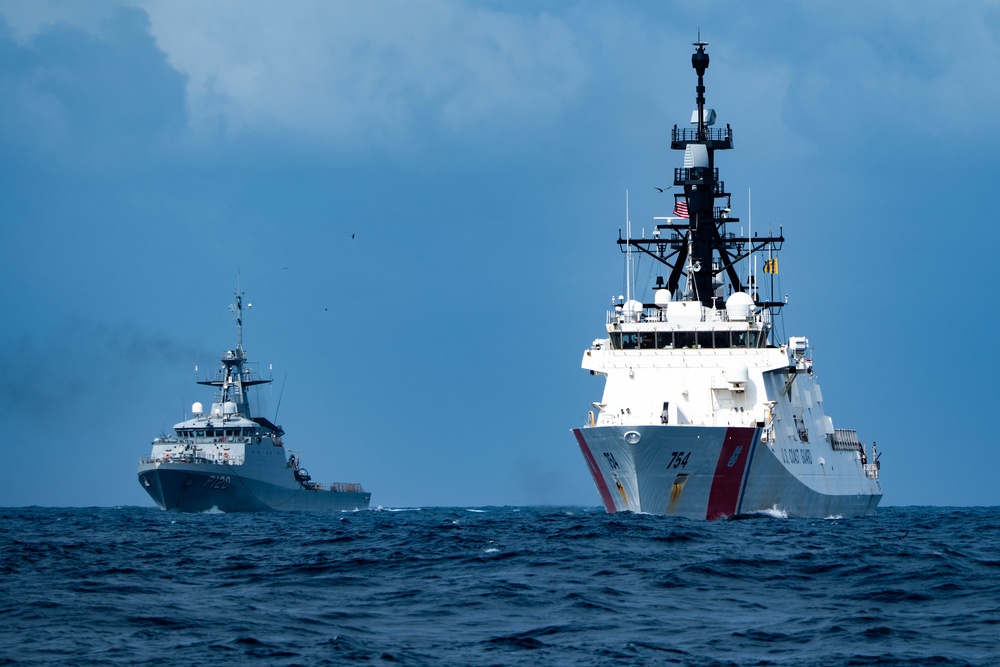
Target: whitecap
[774, 513]
[399, 509]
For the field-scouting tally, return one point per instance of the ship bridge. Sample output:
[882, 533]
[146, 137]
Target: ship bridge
[678, 325]
[686, 339]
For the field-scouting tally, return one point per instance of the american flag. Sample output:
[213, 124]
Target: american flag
[681, 208]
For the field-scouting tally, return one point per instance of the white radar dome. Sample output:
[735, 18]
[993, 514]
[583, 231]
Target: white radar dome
[739, 307]
[197, 408]
[632, 310]
[228, 408]
[661, 298]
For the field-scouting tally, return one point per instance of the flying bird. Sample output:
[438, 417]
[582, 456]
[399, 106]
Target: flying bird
[663, 189]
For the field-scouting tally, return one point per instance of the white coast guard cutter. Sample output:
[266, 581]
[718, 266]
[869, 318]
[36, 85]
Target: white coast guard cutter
[704, 414]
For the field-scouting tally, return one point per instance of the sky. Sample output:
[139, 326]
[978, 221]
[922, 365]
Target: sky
[421, 201]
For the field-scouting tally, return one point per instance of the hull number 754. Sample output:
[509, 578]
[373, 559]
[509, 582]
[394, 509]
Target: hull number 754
[679, 459]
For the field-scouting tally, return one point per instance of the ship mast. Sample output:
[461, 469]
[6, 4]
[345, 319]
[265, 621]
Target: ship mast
[696, 242]
[234, 378]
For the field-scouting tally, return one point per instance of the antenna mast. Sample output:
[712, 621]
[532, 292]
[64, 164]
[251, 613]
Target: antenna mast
[698, 246]
[628, 253]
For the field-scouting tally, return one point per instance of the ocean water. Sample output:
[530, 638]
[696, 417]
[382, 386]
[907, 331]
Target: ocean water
[498, 586]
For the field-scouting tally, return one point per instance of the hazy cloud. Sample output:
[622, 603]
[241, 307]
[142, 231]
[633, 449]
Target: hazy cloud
[75, 93]
[357, 75]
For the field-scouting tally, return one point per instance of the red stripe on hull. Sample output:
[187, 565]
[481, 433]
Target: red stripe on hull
[729, 469]
[602, 486]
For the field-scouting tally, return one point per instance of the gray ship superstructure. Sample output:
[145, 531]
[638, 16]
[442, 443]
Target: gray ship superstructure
[229, 460]
[705, 414]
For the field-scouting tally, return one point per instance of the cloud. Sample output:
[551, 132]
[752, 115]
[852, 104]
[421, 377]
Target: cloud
[896, 69]
[368, 75]
[72, 93]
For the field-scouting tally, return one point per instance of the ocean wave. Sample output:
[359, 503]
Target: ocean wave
[519, 586]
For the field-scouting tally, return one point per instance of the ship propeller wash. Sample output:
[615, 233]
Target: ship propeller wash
[229, 460]
[705, 414]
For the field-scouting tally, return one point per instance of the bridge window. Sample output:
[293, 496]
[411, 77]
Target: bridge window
[743, 339]
[684, 339]
[666, 340]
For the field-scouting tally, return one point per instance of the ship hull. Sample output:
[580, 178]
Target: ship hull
[201, 487]
[713, 472]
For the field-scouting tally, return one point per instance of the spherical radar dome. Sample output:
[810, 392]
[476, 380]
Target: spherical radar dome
[739, 307]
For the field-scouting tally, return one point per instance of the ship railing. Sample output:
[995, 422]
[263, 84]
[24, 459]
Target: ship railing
[681, 134]
[250, 373]
[695, 175]
[871, 470]
[653, 313]
[187, 458]
[213, 440]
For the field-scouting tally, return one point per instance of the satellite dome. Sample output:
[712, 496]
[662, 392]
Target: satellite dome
[197, 408]
[632, 309]
[739, 307]
[662, 297]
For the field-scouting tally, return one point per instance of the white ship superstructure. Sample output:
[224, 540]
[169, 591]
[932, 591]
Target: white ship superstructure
[704, 414]
[229, 460]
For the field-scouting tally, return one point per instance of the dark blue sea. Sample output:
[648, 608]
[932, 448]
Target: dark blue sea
[497, 586]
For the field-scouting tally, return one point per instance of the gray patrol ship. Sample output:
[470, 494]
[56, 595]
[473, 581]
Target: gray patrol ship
[228, 460]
